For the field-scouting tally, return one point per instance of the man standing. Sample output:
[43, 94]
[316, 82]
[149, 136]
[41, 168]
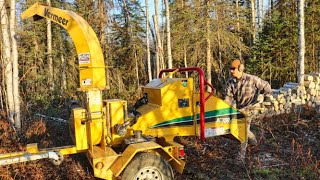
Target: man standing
[242, 90]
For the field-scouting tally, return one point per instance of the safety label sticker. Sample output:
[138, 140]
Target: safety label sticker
[209, 132]
[84, 58]
[87, 82]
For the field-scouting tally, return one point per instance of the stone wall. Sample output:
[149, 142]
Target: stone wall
[290, 97]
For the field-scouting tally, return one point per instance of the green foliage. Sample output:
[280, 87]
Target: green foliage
[285, 173]
[32, 39]
[127, 41]
[312, 27]
[189, 34]
[276, 50]
[268, 173]
[120, 27]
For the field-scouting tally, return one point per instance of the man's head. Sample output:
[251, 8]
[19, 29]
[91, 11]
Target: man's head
[236, 68]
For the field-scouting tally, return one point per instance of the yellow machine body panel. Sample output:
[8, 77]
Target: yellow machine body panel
[172, 100]
[175, 112]
[96, 120]
[222, 119]
[101, 161]
[83, 132]
[116, 111]
[78, 128]
[91, 62]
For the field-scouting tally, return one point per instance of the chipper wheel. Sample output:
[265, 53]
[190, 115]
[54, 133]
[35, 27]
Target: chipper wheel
[148, 166]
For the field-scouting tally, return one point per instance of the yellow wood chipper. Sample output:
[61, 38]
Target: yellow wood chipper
[139, 144]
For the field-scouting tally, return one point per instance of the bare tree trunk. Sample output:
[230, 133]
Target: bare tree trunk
[162, 36]
[269, 4]
[134, 47]
[63, 72]
[301, 42]
[1, 99]
[7, 61]
[270, 7]
[119, 82]
[313, 44]
[238, 28]
[155, 22]
[220, 55]
[185, 58]
[220, 65]
[154, 60]
[37, 60]
[253, 23]
[260, 13]
[137, 71]
[2, 77]
[158, 38]
[184, 48]
[209, 64]
[49, 53]
[102, 23]
[14, 48]
[168, 34]
[148, 41]
[103, 19]
[3, 85]
[157, 48]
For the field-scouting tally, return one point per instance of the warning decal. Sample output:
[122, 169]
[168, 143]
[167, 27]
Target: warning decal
[84, 58]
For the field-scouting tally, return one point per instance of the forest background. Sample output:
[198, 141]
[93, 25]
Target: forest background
[39, 63]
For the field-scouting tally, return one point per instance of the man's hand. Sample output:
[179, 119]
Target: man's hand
[260, 98]
[248, 110]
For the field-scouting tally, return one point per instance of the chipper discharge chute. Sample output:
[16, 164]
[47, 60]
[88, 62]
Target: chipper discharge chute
[139, 144]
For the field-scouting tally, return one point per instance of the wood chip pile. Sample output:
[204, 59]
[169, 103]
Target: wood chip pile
[290, 97]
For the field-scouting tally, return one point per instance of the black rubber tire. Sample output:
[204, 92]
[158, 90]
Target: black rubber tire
[148, 166]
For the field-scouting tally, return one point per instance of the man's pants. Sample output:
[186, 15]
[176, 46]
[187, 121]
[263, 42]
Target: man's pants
[250, 137]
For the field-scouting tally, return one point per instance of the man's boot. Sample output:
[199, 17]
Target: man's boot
[252, 139]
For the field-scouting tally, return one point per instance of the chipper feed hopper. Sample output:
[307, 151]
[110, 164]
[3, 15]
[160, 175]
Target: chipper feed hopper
[139, 144]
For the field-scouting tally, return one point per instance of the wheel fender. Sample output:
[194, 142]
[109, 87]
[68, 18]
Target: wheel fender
[118, 166]
[175, 163]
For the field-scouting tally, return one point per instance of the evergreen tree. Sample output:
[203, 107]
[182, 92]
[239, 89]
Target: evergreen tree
[277, 47]
[189, 34]
[127, 41]
[312, 17]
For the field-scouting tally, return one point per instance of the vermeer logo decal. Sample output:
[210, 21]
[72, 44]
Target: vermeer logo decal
[55, 17]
